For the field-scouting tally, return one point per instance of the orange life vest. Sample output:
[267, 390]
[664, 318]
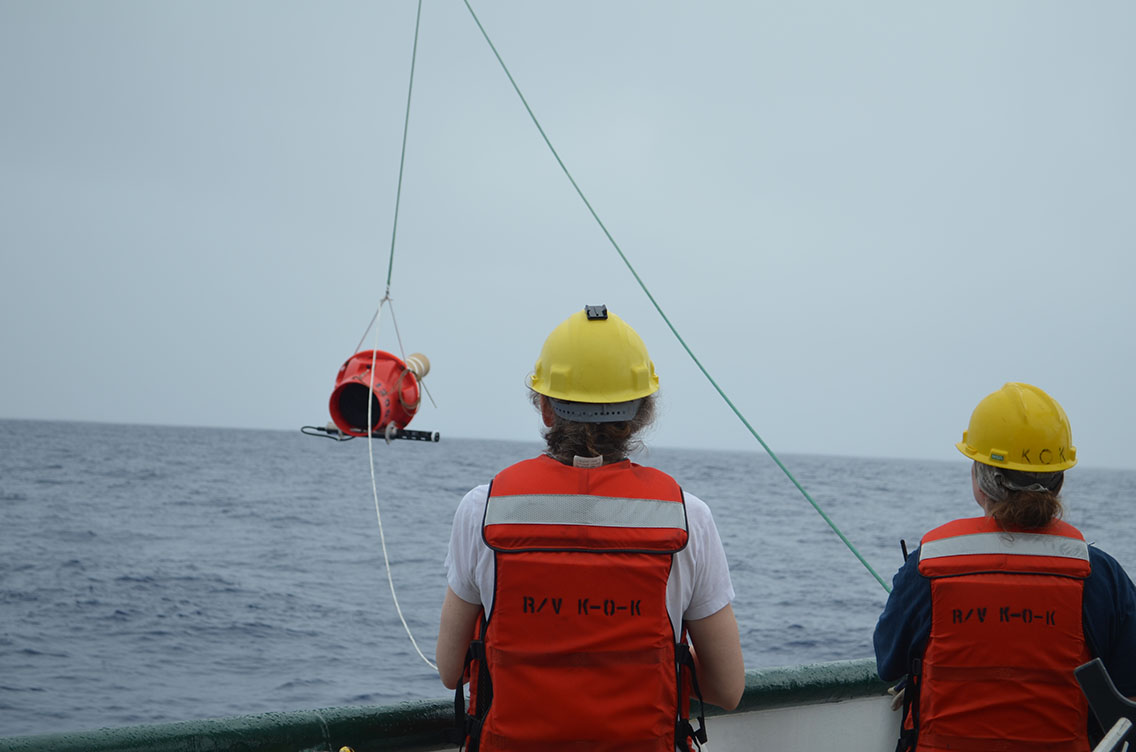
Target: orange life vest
[579, 652]
[1006, 634]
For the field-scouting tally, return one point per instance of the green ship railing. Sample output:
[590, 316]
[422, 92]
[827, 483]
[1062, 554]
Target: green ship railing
[413, 725]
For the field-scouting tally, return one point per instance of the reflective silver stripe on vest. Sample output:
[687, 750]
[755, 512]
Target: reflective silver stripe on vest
[582, 509]
[1020, 544]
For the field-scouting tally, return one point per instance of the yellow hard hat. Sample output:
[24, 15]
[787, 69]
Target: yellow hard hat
[594, 367]
[1020, 427]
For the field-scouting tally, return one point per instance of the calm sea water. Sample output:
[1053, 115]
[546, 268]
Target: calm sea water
[152, 574]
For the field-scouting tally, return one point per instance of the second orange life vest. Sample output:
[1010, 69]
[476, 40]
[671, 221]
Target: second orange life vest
[1006, 634]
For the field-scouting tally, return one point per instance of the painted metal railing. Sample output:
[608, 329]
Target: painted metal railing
[413, 725]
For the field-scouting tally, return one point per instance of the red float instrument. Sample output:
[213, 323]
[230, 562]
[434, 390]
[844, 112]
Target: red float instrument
[382, 384]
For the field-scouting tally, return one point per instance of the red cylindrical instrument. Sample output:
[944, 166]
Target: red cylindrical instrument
[393, 391]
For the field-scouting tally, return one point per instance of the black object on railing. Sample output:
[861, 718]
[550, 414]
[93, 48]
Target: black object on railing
[1113, 710]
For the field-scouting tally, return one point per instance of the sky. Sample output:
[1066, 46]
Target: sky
[862, 217]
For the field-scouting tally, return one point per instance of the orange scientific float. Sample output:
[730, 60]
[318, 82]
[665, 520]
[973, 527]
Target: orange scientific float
[376, 394]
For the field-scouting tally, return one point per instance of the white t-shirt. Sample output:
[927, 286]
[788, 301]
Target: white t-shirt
[699, 583]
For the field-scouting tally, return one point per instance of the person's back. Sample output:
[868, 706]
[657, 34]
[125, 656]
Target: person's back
[1005, 636]
[578, 573]
[989, 617]
[580, 609]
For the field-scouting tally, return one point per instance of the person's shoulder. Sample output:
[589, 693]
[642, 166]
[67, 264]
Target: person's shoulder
[697, 511]
[473, 503]
[908, 582]
[1108, 583]
[1102, 564]
[910, 566]
[959, 526]
[528, 462]
[1108, 589]
[477, 493]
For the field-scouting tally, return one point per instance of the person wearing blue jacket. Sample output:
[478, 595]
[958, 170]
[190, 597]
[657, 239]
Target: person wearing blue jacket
[988, 617]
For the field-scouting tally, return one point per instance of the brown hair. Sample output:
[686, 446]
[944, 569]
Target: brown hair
[1027, 509]
[565, 439]
[1021, 499]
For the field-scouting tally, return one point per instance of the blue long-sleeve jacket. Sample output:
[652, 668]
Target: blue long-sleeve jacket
[1108, 613]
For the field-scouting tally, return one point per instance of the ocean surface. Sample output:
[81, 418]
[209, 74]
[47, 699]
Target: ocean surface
[152, 574]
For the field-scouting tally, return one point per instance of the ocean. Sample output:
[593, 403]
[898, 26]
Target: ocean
[152, 574]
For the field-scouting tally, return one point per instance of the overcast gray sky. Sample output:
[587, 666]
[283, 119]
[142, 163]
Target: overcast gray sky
[863, 217]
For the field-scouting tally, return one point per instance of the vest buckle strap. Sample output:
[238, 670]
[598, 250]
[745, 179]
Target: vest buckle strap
[684, 730]
[473, 732]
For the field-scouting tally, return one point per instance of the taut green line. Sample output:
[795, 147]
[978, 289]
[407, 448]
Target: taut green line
[671, 326]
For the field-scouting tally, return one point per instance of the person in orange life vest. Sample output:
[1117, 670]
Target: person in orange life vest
[576, 575]
[990, 615]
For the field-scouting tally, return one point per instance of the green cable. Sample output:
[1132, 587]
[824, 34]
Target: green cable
[402, 158]
[674, 331]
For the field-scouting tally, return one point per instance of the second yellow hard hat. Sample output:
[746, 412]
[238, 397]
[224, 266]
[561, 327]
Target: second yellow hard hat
[1020, 427]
